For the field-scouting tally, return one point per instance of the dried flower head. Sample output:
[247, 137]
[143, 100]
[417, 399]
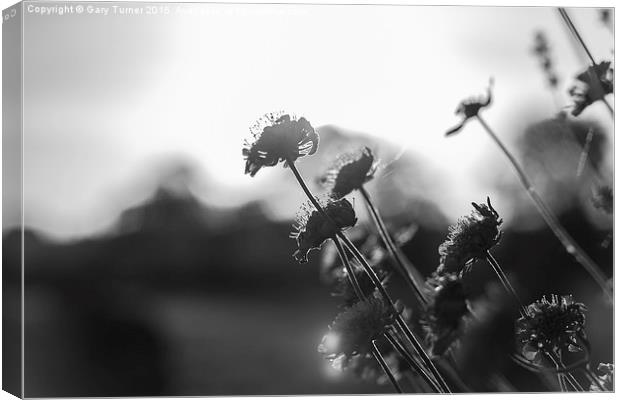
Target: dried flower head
[605, 378]
[551, 327]
[354, 329]
[543, 52]
[470, 238]
[603, 199]
[444, 316]
[349, 172]
[591, 85]
[344, 289]
[470, 107]
[312, 228]
[278, 137]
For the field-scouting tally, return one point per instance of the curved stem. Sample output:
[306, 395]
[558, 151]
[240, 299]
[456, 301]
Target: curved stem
[399, 320]
[505, 282]
[570, 245]
[376, 281]
[593, 378]
[384, 366]
[412, 363]
[396, 254]
[347, 265]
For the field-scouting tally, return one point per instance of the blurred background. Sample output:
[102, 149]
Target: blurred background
[154, 266]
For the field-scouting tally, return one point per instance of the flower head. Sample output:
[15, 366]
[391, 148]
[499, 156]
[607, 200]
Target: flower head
[551, 326]
[591, 85]
[312, 228]
[444, 316]
[603, 199]
[354, 329]
[278, 137]
[470, 107]
[605, 378]
[349, 172]
[470, 238]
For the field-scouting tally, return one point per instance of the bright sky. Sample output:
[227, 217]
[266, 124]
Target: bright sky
[105, 96]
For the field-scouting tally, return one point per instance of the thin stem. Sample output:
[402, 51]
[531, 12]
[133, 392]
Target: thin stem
[397, 255]
[593, 378]
[505, 282]
[384, 366]
[570, 245]
[575, 32]
[412, 363]
[399, 320]
[573, 29]
[375, 279]
[347, 265]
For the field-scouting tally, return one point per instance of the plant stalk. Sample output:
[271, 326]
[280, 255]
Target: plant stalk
[570, 245]
[384, 366]
[505, 282]
[397, 256]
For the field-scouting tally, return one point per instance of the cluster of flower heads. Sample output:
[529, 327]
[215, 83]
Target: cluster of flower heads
[470, 108]
[605, 378]
[591, 85]
[551, 327]
[278, 137]
[444, 316]
[470, 238]
[543, 52]
[349, 172]
[603, 199]
[312, 228]
[354, 329]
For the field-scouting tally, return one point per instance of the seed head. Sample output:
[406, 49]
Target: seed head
[354, 329]
[312, 228]
[470, 107]
[444, 316]
[605, 378]
[349, 172]
[470, 238]
[278, 137]
[603, 199]
[591, 85]
[551, 326]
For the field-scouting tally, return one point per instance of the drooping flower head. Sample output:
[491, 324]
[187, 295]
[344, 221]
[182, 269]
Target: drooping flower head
[551, 326]
[443, 318]
[605, 377]
[603, 199]
[354, 329]
[470, 107]
[470, 238]
[345, 290]
[312, 228]
[278, 137]
[591, 85]
[349, 172]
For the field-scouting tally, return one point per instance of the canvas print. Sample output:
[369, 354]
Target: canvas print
[228, 199]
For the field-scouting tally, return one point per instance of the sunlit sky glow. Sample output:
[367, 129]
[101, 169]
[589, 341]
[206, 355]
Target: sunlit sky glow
[105, 97]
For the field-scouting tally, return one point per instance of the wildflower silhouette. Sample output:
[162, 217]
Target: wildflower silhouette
[349, 172]
[590, 86]
[443, 318]
[312, 228]
[278, 137]
[354, 329]
[470, 238]
[469, 108]
[551, 327]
